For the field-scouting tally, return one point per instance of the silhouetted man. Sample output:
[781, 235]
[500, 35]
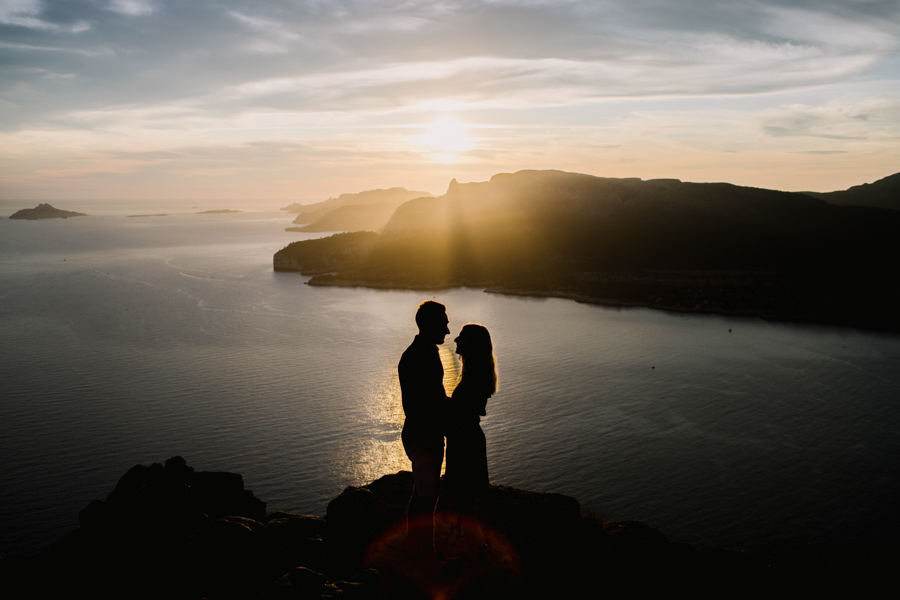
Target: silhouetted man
[424, 404]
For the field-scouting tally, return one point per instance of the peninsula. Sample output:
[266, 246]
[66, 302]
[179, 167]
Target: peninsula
[665, 244]
[173, 532]
[368, 210]
[45, 211]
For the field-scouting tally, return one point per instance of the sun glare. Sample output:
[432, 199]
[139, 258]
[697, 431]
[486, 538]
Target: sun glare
[446, 136]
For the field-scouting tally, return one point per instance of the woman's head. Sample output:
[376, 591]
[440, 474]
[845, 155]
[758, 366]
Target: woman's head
[474, 346]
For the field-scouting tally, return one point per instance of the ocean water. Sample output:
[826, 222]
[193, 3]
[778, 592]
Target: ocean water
[130, 340]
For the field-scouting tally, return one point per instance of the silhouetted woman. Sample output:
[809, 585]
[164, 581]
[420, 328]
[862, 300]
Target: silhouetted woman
[466, 473]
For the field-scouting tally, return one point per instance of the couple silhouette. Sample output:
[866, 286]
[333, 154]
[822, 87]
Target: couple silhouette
[431, 416]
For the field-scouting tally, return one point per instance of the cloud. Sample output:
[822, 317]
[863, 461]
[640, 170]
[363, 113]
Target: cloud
[26, 14]
[133, 8]
[141, 82]
[353, 55]
[147, 155]
[17, 9]
[868, 119]
[273, 35]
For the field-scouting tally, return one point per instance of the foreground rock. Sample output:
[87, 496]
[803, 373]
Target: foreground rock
[45, 211]
[171, 532]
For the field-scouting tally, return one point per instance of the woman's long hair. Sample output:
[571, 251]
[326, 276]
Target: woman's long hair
[479, 367]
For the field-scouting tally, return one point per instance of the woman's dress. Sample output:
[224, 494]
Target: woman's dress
[467, 470]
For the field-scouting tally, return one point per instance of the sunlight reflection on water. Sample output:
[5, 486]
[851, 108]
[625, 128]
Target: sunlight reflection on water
[382, 452]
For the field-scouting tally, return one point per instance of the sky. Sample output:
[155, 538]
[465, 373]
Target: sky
[270, 101]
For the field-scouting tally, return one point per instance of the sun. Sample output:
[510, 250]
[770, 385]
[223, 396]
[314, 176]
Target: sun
[446, 136]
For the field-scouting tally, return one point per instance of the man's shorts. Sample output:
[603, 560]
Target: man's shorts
[427, 458]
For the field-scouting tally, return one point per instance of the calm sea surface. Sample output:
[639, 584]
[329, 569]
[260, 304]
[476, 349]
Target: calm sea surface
[130, 340]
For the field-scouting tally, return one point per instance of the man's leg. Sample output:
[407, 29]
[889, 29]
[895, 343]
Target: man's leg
[420, 513]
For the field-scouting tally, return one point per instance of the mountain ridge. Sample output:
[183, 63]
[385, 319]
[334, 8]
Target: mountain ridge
[701, 247]
[362, 210]
[884, 193]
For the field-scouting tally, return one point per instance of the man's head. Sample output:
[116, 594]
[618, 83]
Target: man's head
[432, 321]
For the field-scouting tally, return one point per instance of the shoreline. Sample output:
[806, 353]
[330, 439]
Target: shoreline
[582, 298]
[722, 312]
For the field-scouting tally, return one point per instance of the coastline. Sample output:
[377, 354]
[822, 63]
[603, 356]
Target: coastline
[724, 312]
[333, 280]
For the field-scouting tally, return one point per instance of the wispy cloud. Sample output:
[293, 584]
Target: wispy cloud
[401, 52]
[26, 14]
[134, 8]
[151, 77]
[864, 119]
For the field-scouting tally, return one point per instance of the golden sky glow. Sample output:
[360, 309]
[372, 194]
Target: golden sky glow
[446, 138]
[280, 101]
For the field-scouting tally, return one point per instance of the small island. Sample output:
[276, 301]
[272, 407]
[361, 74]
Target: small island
[45, 211]
[217, 211]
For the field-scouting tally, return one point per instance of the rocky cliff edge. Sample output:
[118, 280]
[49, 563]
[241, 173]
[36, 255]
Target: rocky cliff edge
[168, 531]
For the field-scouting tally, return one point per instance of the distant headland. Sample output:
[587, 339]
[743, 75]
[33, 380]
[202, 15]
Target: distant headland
[368, 210]
[45, 211]
[217, 211]
[173, 532]
[666, 244]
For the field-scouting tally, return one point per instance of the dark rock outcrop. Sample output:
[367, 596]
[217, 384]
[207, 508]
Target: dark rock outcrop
[170, 532]
[45, 211]
[325, 255]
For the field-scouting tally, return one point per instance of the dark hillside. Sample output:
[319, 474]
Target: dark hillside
[884, 193]
[173, 532]
[663, 243]
[355, 217]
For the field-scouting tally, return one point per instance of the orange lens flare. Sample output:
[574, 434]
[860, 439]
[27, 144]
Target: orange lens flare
[497, 567]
